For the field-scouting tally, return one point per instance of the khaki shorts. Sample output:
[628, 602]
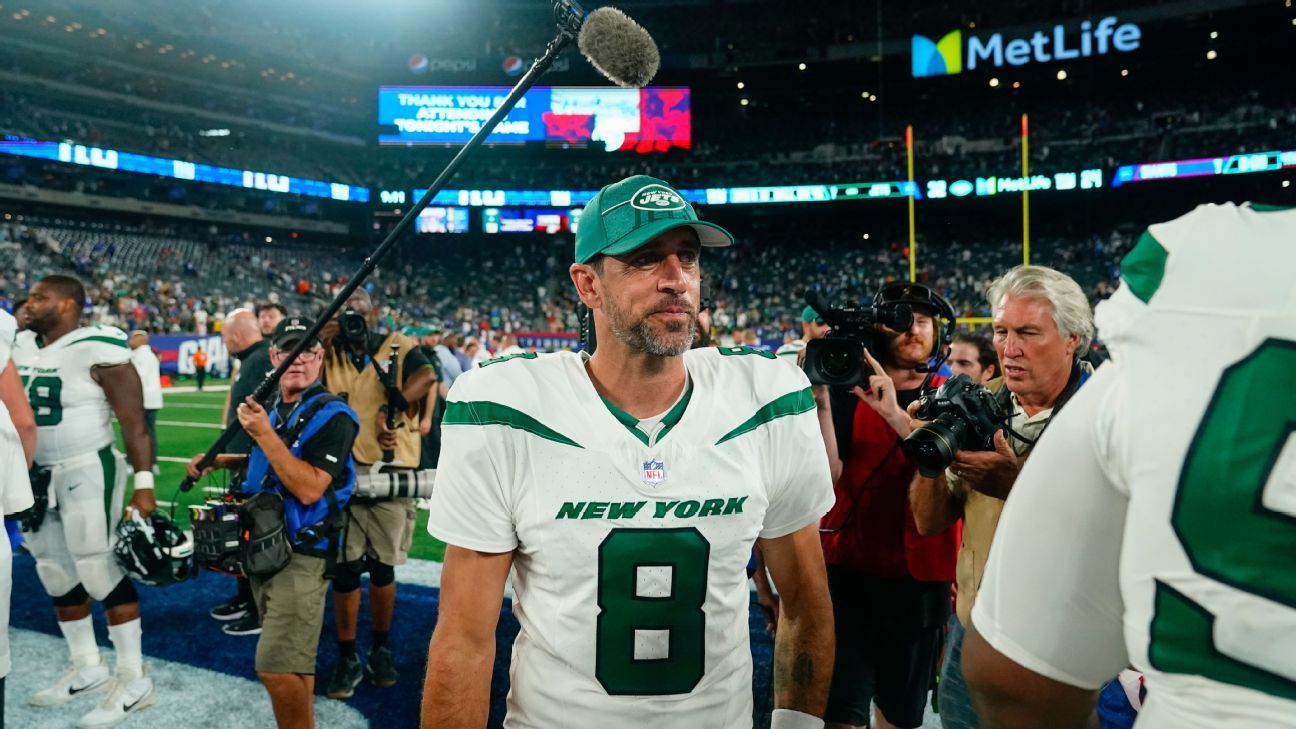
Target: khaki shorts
[381, 530]
[291, 604]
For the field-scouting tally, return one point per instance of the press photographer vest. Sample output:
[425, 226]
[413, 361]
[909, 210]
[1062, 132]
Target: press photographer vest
[367, 395]
[261, 477]
[981, 512]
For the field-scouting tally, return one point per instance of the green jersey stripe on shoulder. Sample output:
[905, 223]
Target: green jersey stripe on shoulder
[1143, 267]
[793, 403]
[484, 412]
[1267, 208]
[109, 340]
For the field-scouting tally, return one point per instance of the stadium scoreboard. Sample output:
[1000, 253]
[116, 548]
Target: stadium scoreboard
[652, 119]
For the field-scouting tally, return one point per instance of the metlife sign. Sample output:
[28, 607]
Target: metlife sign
[950, 55]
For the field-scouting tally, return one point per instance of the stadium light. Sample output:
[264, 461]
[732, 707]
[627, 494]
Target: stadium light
[1016, 84]
[741, 85]
[1062, 74]
[994, 83]
[801, 67]
[744, 102]
[1211, 55]
[1124, 71]
[1286, 183]
[872, 97]
[866, 236]
[1214, 34]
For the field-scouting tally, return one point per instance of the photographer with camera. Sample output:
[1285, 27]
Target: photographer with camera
[384, 379]
[300, 472]
[968, 461]
[890, 585]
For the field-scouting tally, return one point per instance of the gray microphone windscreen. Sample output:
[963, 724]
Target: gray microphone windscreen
[619, 48]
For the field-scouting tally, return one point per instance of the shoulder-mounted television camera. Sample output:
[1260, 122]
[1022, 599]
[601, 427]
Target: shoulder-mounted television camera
[838, 359]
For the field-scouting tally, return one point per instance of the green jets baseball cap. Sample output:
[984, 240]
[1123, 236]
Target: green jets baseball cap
[626, 215]
[809, 314]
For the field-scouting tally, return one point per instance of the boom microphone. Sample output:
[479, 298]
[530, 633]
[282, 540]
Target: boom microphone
[617, 46]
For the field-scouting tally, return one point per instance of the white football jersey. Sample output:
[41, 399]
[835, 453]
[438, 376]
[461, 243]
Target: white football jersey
[630, 564]
[73, 416]
[8, 333]
[1155, 523]
[792, 349]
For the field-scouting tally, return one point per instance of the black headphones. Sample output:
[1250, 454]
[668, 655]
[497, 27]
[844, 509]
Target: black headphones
[916, 294]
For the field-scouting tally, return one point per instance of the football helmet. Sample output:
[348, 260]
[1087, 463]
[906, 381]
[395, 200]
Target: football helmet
[153, 550]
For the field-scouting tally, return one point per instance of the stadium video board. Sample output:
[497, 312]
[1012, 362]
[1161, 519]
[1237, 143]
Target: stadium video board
[529, 220]
[438, 219]
[647, 120]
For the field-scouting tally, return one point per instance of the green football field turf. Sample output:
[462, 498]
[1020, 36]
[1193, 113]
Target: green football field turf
[188, 424]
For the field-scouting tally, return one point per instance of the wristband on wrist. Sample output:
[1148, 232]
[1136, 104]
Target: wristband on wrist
[143, 481]
[791, 719]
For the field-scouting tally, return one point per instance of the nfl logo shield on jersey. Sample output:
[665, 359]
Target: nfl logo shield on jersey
[654, 472]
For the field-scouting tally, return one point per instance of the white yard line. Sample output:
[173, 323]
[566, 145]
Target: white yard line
[182, 424]
[191, 388]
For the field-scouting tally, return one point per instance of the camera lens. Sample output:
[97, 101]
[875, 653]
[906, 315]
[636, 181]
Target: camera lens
[837, 363]
[932, 447]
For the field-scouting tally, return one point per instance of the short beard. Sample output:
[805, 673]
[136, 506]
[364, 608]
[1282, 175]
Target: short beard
[639, 336]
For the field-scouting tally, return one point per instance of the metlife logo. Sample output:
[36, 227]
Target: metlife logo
[948, 55]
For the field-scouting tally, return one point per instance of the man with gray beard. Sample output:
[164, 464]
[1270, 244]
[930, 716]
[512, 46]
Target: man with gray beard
[626, 489]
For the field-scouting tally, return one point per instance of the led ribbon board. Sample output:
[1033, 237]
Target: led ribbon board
[987, 186]
[652, 119]
[1237, 164]
[110, 159]
[708, 196]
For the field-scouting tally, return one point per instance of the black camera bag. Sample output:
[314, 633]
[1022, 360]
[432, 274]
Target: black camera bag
[265, 546]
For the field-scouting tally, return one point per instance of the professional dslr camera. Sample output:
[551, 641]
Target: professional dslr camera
[352, 327]
[964, 417]
[838, 359]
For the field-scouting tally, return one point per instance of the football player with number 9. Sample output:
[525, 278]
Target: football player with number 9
[1155, 523]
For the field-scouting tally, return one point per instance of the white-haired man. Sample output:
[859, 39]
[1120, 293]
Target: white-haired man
[1042, 325]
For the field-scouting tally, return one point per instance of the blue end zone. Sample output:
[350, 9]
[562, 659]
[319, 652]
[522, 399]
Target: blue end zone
[177, 628]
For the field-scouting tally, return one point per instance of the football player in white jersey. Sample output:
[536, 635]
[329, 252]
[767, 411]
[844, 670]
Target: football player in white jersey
[76, 379]
[626, 491]
[1155, 523]
[17, 445]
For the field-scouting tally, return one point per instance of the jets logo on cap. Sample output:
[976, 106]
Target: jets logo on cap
[656, 198]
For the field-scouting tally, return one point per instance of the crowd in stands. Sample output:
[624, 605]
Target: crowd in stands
[159, 278]
[140, 100]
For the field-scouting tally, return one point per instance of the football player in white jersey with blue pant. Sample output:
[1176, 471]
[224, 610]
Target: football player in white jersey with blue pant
[77, 378]
[625, 491]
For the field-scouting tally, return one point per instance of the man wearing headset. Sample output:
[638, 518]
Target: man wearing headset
[890, 585]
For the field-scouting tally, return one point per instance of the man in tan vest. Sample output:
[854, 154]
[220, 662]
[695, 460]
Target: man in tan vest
[375, 373]
[1042, 325]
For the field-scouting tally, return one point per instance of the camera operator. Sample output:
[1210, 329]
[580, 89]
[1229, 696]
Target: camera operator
[890, 585]
[1042, 325]
[384, 379]
[302, 452]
